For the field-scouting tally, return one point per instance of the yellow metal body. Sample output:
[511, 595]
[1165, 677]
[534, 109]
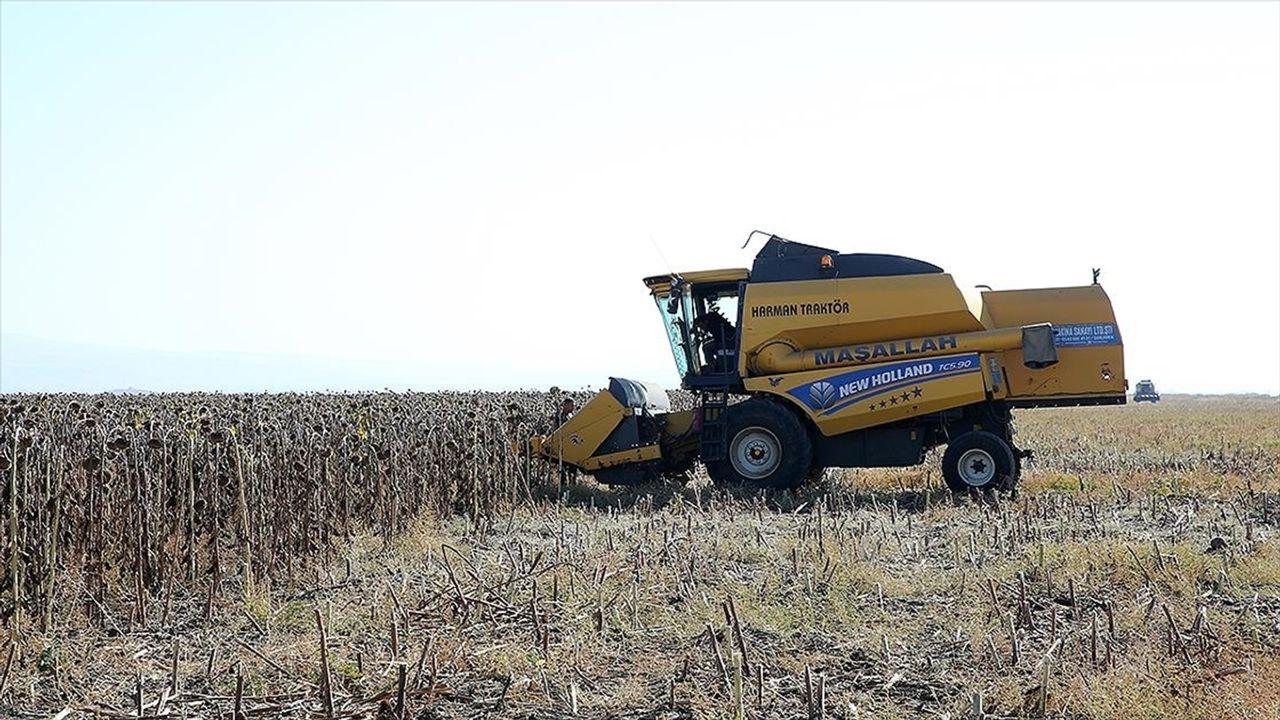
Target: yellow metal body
[582, 434]
[1090, 351]
[661, 284]
[863, 337]
[779, 356]
[853, 353]
[808, 314]
[880, 393]
[578, 441]
[799, 327]
[678, 423]
[600, 462]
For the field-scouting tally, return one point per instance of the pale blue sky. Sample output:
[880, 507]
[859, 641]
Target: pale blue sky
[467, 192]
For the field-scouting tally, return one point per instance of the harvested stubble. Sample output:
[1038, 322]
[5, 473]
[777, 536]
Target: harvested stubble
[1143, 582]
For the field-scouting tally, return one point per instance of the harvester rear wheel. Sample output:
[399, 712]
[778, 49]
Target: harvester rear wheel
[767, 447]
[979, 460]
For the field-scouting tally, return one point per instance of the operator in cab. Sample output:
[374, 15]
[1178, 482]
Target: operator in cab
[719, 339]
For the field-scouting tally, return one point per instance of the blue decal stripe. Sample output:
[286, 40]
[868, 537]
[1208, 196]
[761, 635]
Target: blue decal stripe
[818, 394]
[868, 394]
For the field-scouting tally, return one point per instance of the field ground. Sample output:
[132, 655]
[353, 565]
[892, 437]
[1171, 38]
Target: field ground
[1137, 575]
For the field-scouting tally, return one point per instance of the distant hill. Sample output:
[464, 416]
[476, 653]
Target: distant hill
[30, 364]
[1217, 396]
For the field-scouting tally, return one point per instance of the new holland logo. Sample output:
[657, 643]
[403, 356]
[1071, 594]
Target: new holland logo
[822, 394]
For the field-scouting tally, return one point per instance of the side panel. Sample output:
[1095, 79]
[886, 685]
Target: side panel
[846, 311]
[873, 447]
[582, 434]
[1090, 350]
[675, 424]
[622, 457]
[845, 399]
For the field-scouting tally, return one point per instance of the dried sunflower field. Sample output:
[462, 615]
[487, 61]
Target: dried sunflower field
[396, 556]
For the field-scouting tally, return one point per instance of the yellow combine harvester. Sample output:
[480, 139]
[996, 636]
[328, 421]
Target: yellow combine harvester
[846, 360]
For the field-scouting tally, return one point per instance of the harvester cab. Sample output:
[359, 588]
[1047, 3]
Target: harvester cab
[699, 312]
[846, 360]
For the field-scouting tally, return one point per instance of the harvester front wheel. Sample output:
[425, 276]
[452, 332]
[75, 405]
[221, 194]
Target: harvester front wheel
[979, 460]
[767, 447]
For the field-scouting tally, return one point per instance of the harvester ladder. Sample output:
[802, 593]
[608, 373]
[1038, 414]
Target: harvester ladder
[714, 434]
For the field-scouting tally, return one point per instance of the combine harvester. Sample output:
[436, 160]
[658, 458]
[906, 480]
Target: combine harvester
[845, 360]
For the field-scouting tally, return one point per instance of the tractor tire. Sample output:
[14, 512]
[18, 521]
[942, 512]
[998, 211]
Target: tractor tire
[979, 461]
[768, 447]
[1011, 483]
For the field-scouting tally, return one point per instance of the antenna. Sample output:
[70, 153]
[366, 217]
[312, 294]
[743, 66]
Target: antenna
[659, 251]
[752, 236]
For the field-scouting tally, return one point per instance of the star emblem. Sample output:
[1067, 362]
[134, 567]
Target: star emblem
[905, 397]
[916, 391]
[871, 407]
[882, 403]
[893, 399]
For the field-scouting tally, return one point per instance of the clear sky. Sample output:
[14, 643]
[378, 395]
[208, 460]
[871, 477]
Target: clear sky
[473, 192]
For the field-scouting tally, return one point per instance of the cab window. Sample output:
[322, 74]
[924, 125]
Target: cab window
[676, 323]
[715, 331]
